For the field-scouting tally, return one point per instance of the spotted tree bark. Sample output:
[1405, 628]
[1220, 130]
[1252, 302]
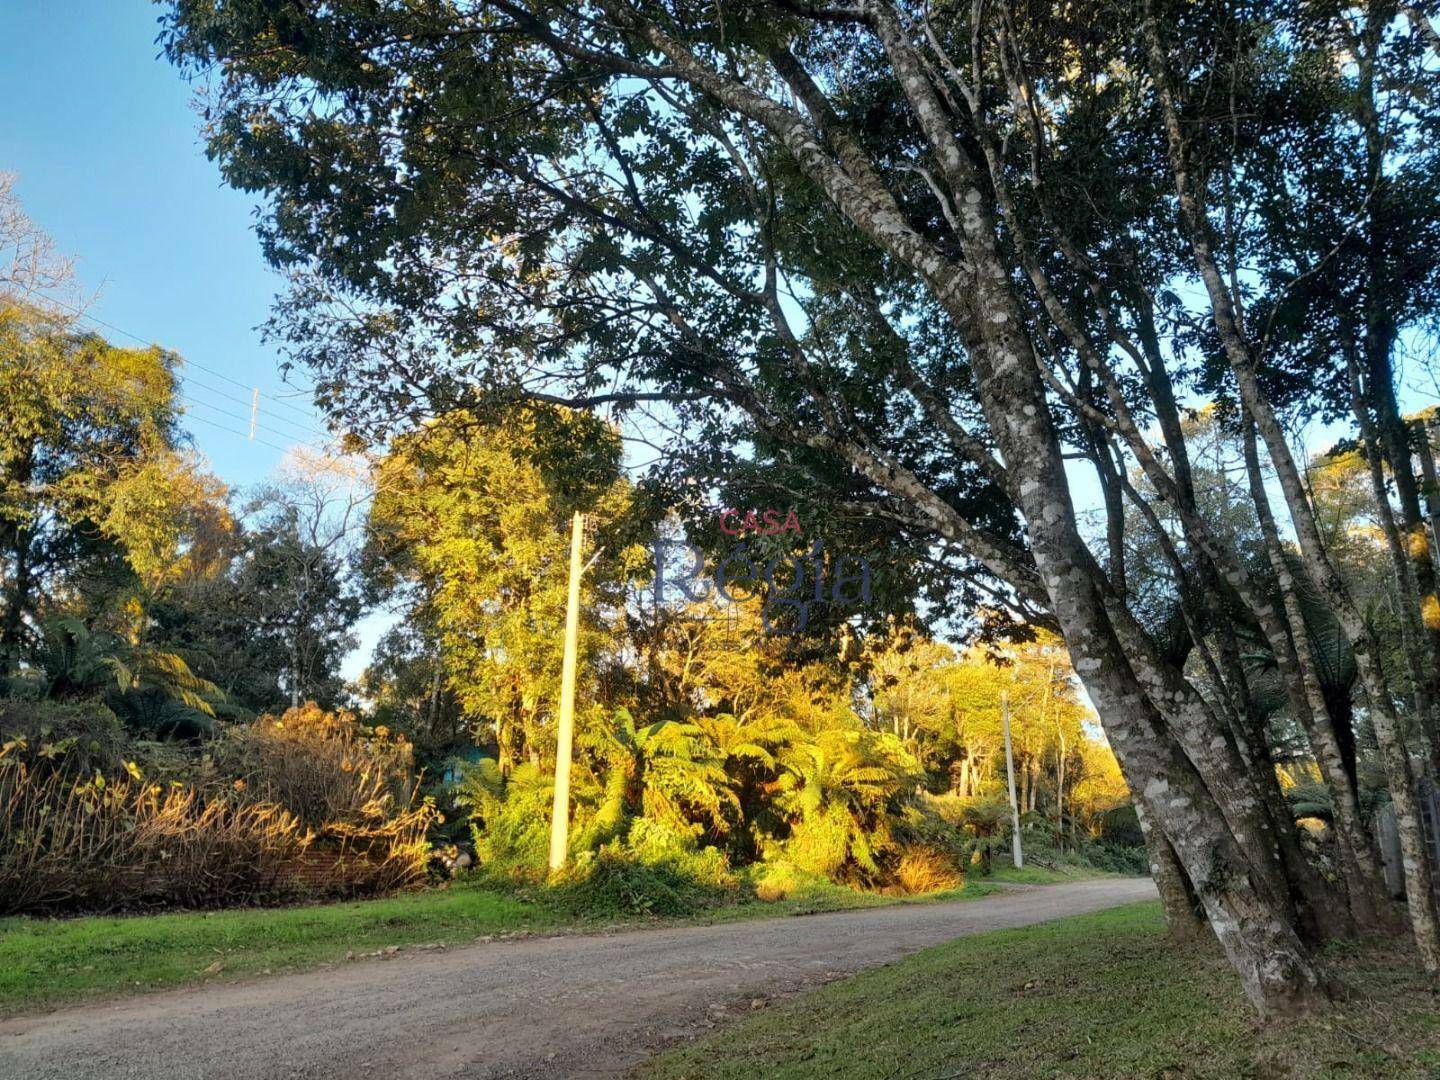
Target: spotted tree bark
[1202, 802]
[1324, 576]
[1360, 864]
[1384, 434]
[1184, 916]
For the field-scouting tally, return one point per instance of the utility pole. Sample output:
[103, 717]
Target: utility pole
[1015, 851]
[565, 733]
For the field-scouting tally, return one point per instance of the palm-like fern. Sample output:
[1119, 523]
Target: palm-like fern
[667, 771]
[754, 741]
[150, 690]
[836, 788]
[74, 661]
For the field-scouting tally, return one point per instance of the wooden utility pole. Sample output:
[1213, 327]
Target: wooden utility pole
[1015, 851]
[565, 732]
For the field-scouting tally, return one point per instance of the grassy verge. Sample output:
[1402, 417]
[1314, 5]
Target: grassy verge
[1034, 874]
[53, 961]
[1102, 995]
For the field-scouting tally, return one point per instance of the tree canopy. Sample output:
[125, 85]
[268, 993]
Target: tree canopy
[911, 263]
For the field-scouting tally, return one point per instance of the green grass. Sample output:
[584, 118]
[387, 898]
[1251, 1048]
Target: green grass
[839, 898]
[1104, 995]
[53, 961]
[1034, 874]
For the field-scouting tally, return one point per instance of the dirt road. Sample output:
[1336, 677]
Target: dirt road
[589, 1005]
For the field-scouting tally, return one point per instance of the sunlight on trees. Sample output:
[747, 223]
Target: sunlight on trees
[1043, 311]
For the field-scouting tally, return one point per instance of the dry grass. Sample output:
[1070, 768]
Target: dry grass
[99, 845]
[323, 766]
[307, 804]
[924, 870]
[355, 787]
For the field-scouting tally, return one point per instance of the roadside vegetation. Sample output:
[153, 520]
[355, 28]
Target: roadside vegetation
[176, 733]
[1107, 995]
[973, 366]
[1051, 311]
[60, 961]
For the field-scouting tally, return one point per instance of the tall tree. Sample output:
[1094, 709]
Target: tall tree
[466, 531]
[925, 257]
[304, 530]
[86, 430]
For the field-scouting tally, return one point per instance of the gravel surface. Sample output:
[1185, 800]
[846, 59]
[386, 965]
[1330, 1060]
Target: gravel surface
[569, 1006]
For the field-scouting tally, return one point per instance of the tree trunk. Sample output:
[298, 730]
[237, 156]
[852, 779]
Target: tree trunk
[1326, 580]
[17, 596]
[294, 671]
[1365, 886]
[17, 599]
[1060, 793]
[1420, 658]
[1392, 437]
[1431, 611]
[1183, 914]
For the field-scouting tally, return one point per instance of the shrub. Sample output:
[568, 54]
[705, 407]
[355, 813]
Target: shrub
[821, 842]
[924, 870]
[510, 817]
[652, 843]
[773, 881]
[379, 850]
[325, 767]
[1128, 859]
[936, 822]
[99, 845]
[612, 883]
[1120, 826]
[81, 737]
[353, 786]
[654, 869]
[987, 828]
[308, 804]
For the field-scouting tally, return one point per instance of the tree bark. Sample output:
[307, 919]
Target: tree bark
[1365, 884]
[1431, 610]
[1420, 659]
[1324, 576]
[1388, 436]
[1184, 917]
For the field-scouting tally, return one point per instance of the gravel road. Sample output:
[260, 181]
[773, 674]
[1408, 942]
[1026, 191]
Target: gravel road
[570, 1006]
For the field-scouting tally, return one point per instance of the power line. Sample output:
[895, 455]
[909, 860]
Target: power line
[188, 362]
[115, 392]
[251, 420]
[241, 434]
[251, 412]
[242, 419]
[248, 404]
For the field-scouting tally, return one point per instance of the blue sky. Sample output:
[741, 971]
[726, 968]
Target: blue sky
[103, 137]
[104, 140]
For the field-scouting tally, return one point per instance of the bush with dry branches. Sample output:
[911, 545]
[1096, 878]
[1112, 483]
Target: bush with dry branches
[354, 786]
[98, 844]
